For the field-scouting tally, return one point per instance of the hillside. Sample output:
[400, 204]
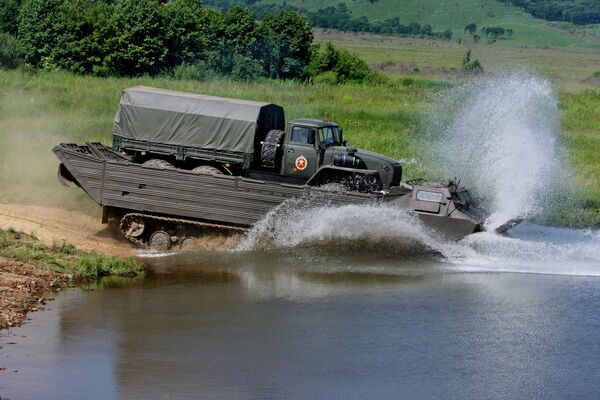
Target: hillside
[455, 15]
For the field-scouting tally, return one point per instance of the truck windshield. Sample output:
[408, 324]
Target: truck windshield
[330, 136]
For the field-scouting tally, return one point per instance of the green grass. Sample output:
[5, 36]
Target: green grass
[569, 69]
[64, 258]
[39, 110]
[454, 14]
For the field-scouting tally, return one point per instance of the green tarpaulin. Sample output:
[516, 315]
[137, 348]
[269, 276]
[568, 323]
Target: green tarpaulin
[164, 116]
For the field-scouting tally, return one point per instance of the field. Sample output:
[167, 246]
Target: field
[455, 15]
[41, 109]
[569, 69]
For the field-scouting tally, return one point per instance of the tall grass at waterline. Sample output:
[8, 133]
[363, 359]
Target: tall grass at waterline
[64, 258]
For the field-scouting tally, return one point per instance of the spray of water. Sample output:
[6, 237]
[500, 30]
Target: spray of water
[295, 223]
[499, 135]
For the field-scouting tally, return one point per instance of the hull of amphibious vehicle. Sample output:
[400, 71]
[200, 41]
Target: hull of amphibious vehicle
[231, 202]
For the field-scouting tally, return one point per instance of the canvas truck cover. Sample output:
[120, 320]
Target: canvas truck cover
[194, 120]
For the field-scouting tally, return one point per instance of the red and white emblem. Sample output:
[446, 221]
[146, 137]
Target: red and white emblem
[301, 163]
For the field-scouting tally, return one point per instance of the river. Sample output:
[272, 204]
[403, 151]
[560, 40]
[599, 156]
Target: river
[494, 318]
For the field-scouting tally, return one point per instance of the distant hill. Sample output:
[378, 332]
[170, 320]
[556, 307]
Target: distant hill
[576, 11]
[455, 15]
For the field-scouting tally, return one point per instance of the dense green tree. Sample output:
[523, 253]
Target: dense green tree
[471, 28]
[138, 38]
[286, 39]
[38, 33]
[193, 30]
[9, 16]
[84, 32]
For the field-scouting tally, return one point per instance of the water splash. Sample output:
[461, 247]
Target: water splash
[296, 223]
[500, 137]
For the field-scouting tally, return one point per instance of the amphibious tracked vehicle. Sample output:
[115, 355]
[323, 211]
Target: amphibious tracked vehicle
[181, 164]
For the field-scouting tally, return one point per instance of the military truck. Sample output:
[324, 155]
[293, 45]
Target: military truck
[182, 163]
[242, 138]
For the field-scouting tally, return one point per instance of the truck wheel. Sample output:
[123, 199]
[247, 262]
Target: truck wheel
[158, 163]
[268, 153]
[160, 241]
[207, 169]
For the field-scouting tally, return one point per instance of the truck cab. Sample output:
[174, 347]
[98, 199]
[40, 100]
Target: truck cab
[315, 151]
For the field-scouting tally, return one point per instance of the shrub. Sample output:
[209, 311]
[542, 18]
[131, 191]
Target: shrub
[471, 65]
[11, 53]
[246, 68]
[346, 66]
[193, 72]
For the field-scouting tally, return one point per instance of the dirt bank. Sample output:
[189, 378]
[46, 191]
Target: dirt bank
[22, 289]
[51, 240]
[53, 224]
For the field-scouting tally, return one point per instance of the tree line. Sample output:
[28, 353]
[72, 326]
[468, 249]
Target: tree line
[491, 32]
[340, 18]
[575, 11]
[181, 37]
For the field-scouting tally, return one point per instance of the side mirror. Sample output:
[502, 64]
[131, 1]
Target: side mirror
[345, 143]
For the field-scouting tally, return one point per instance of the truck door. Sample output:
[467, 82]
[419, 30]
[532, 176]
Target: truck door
[300, 153]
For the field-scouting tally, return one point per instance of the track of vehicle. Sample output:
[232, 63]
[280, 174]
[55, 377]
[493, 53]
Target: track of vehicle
[142, 230]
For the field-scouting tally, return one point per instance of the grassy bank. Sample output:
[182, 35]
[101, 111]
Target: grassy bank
[29, 271]
[64, 258]
[41, 109]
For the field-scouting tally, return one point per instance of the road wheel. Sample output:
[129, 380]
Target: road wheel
[207, 169]
[160, 241]
[188, 243]
[158, 163]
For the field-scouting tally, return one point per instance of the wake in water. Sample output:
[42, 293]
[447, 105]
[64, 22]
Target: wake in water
[531, 249]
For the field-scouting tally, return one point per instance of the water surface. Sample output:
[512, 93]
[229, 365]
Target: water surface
[294, 323]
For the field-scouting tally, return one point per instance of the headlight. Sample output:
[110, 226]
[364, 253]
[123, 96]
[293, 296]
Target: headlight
[433, 197]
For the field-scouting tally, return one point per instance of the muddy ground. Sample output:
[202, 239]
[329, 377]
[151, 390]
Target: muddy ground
[23, 286]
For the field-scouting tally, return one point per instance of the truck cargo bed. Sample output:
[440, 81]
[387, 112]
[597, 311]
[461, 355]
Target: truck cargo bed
[112, 180]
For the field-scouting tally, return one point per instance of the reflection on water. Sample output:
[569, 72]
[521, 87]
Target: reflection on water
[313, 323]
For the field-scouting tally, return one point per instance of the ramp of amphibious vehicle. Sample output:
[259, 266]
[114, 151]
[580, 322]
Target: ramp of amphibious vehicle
[221, 201]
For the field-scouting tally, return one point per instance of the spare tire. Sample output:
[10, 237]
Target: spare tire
[158, 163]
[268, 153]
